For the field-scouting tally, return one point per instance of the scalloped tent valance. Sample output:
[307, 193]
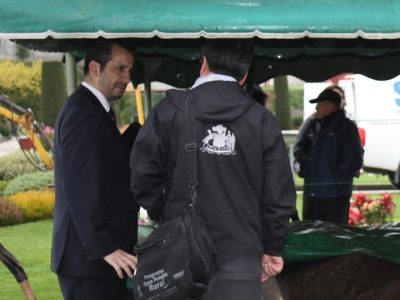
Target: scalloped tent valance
[312, 40]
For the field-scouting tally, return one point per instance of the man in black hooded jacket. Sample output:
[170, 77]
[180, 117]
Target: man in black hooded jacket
[246, 193]
[335, 157]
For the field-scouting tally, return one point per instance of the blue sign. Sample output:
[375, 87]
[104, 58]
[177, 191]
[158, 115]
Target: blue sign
[396, 87]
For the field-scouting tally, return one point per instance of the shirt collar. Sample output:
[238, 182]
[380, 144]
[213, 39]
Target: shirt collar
[99, 95]
[212, 77]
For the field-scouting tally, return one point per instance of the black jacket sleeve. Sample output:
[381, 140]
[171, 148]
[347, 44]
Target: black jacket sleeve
[352, 158]
[278, 200]
[147, 169]
[302, 145]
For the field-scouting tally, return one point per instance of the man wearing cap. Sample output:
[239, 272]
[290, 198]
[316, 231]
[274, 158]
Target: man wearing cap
[334, 157]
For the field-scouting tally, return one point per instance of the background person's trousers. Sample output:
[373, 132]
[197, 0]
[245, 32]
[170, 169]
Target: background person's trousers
[335, 210]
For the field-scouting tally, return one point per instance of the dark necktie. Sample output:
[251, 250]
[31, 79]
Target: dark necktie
[112, 116]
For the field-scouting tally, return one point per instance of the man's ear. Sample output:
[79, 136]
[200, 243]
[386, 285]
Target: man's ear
[242, 81]
[204, 71]
[94, 68]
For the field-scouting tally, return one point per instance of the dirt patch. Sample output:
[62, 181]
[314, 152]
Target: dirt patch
[349, 277]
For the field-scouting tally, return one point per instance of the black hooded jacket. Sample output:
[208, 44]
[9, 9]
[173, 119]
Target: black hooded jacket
[246, 192]
[335, 157]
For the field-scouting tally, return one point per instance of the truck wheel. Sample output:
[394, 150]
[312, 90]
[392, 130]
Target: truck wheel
[392, 180]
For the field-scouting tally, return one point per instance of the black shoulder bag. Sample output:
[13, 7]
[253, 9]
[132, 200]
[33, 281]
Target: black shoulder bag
[178, 259]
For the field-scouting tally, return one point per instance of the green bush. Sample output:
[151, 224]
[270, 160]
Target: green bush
[5, 129]
[3, 184]
[10, 214]
[296, 96]
[15, 164]
[297, 121]
[30, 182]
[54, 91]
[127, 107]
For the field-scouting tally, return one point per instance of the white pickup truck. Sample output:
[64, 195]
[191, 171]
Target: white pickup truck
[375, 107]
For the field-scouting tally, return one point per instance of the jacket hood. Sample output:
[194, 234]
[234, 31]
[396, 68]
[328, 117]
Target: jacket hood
[210, 100]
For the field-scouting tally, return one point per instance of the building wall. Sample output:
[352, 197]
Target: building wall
[8, 50]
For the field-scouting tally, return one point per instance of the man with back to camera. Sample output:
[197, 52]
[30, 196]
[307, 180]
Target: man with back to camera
[245, 196]
[95, 218]
[334, 157]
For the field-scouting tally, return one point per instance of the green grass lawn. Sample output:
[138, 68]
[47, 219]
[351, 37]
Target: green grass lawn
[373, 179]
[30, 244]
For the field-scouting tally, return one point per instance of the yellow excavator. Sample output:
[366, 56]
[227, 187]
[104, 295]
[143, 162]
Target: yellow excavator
[18, 115]
[24, 117]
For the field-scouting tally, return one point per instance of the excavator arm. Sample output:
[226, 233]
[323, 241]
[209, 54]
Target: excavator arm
[26, 119]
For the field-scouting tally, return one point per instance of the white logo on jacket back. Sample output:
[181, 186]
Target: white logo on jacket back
[219, 141]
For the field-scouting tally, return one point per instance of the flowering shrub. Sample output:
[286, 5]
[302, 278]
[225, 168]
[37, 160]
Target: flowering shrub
[10, 213]
[15, 164]
[50, 135]
[48, 130]
[34, 205]
[366, 211]
[22, 83]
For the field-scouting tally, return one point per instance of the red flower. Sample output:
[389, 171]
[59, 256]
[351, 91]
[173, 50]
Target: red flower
[370, 211]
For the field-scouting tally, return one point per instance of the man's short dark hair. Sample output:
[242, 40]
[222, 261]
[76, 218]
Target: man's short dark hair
[99, 50]
[230, 57]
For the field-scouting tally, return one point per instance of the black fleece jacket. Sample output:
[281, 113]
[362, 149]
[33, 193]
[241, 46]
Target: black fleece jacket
[246, 192]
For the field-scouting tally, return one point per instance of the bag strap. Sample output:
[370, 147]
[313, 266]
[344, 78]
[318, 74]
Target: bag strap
[191, 145]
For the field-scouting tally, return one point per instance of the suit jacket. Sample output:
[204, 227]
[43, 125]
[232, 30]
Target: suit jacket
[94, 212]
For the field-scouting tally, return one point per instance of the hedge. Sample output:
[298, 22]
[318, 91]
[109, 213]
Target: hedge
[30, 182]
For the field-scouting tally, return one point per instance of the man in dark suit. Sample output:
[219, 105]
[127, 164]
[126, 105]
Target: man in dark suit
[95, 218]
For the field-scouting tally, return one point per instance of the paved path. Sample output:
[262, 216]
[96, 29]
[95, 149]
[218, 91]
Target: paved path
[9, 146]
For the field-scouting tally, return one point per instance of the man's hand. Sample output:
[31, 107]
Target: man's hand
[121, 260]
[272, 265]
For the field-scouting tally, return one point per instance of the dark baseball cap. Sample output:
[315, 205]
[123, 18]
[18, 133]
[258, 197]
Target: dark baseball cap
[327, 95]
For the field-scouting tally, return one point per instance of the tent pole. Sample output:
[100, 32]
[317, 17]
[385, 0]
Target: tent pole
[147, 104]
[147, 88]
[70, 66]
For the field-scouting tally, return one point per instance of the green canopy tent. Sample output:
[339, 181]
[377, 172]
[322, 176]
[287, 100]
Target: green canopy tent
[310, 39]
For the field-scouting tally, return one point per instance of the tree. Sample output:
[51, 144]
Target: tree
[282, 103]
[54, 91]
[22, 53]
[21, 83]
